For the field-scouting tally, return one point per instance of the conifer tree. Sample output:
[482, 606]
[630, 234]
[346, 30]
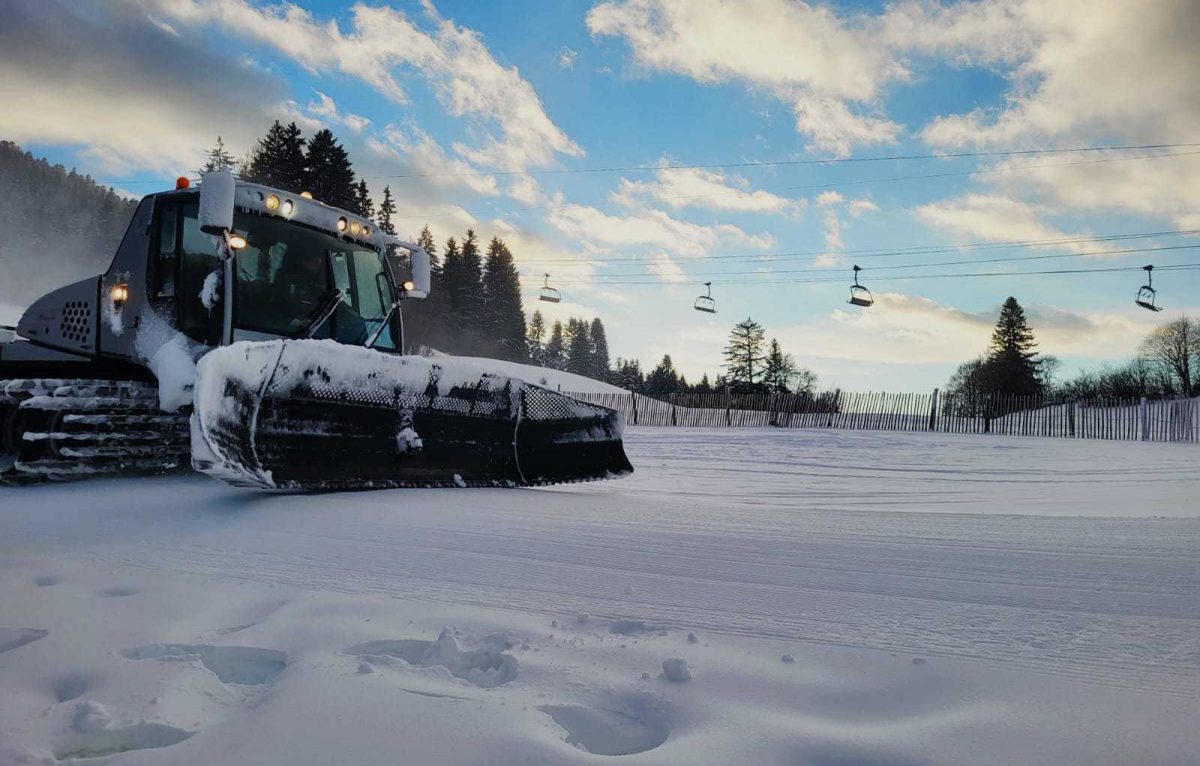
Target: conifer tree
[779, 368]
[387, 209]
[703, 387]
[599, 339]
[451, 284]
[628, 375]
[534, 336]
[555, 350]
[362, 198]
[744, 355]
[278, 159]
[503, 317]
[470, 290]
[663, 379]
[330, 176]
[579, 347]
[217, 158]
[1012, 366]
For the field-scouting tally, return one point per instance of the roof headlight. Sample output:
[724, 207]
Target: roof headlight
[288, 207]
[341, 224]
[272, 202]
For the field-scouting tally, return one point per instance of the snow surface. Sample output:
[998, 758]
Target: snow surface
[556, 380]
[858, 598]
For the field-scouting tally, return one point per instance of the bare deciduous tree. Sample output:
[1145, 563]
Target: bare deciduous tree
[1175, 348]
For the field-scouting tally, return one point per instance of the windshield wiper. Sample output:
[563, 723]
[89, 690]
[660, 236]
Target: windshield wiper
[325, 308]
[383, 325]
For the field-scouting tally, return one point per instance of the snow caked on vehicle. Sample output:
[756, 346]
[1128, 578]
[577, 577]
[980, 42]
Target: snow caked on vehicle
[258, 335]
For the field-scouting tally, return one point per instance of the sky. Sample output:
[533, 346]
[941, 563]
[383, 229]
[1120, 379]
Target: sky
[574, 131]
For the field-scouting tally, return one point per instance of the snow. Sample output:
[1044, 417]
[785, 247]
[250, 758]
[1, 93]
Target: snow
[556, 380]
[170, 356]
[210, 291]
[859, 598]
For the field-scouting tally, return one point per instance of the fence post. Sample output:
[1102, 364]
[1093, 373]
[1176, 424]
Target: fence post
[1144, 412]
[1071, 418]
[633, 398]
[674, 422]
[933, 407]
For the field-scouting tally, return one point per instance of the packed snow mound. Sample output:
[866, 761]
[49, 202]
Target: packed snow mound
[557, 380]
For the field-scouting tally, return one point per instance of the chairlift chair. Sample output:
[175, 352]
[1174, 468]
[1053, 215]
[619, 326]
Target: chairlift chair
[549, 294]
[1145, 294]
[706, 303]
[859, 295]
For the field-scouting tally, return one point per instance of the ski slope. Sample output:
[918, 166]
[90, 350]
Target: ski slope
[838, 598]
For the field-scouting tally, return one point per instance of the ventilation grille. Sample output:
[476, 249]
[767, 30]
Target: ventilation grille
[76, 321]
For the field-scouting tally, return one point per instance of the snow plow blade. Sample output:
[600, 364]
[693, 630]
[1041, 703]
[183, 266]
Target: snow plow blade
[315, 415]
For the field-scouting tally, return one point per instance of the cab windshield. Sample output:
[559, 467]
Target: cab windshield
[285, 280]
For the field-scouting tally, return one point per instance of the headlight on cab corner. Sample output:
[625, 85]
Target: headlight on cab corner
[409, 286]
[118, 294]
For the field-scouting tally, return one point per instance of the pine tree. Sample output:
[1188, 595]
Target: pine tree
[628, 375]
[703, 387]
[503, 319]
[663, 379]
[534, 336]
[556, 353]
[600, 361]
[779, 369]
[470, 292]
[579, 347]
[362, 198]
[330, 176]
[744, 355]
[387, 209]
[451, 284]
[278, 159]
[1012, 361]
[217, 158]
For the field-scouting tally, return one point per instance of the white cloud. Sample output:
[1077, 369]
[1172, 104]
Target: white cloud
[649, 227]
[422, 155]
[515, 131]
[912, 330]
[524, 188]
[125, 89]
[830, 69]
[567, 57]
[996, 218]
[1167, 188]
[830, 202]
[693, 187]
[1083, 70]
[325, 108]
[661, 265]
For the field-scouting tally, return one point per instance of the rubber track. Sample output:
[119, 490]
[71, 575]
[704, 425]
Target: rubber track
[76, 428]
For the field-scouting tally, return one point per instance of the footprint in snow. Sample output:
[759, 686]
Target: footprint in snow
[102, 742]
[73, 685]
[231, 664]
[121, 592]
[486, 667]
[618, 726]
[13, 638]
[46, 580]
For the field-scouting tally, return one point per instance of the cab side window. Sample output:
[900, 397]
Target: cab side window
[185, 257]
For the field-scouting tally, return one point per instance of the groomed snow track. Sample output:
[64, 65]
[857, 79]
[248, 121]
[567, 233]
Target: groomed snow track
[55, 429]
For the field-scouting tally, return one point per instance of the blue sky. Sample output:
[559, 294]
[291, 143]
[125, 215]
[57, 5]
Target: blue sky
[481, 99]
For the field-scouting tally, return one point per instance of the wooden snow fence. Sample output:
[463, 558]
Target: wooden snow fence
[1163, 420]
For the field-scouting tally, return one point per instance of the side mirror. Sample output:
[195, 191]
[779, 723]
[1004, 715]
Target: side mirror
[216, 202]
[420, 272]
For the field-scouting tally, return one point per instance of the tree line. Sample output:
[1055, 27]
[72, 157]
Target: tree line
[1166, 364]
[56, 226]
[752, 366]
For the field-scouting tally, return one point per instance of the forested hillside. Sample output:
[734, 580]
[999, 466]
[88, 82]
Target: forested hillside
[56, 226]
